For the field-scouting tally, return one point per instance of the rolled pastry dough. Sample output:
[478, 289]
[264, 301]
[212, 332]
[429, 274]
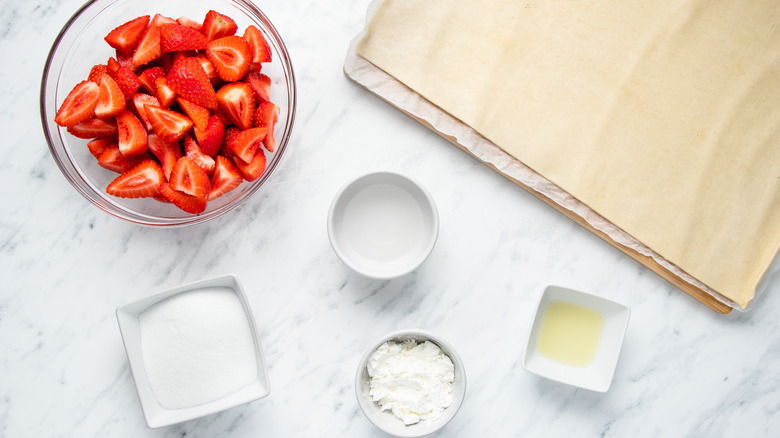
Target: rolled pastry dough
[662, 116]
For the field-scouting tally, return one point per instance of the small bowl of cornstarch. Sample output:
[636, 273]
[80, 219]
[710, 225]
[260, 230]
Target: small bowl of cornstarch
[410, 383]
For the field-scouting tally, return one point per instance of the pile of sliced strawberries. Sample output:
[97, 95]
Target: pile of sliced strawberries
[182, 112]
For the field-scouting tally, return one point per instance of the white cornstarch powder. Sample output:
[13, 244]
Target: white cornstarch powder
[197, 347]
[412, 380]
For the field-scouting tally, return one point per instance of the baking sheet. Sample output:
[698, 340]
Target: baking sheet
[391, 90]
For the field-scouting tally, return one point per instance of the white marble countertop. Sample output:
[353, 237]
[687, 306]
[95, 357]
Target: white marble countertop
[65, 266]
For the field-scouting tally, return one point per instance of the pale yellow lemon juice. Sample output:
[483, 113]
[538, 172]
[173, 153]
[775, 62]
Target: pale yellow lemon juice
[570, 333]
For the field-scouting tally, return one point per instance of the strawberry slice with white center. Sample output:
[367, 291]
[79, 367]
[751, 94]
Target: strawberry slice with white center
[225, 178]
[188, 178]
[148, 76]
[266, 116]
[188, 203]
[244, 144]
[261, 85]
[261, 51]
[125, 38]
[231, 57]
[94, 128]
[111, 100]
[190, 81]
[210, 140]
[98, 145]
[193, 152]
[216, 25]
[79, 105]
[237, 101]
[142, 181]
[168, 153]
[169, 125]
[253, 169]
[139, 102]
[131, 134]
[148, 48]
[165, 94]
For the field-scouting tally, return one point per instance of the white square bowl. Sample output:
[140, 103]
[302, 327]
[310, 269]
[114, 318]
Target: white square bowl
[128, 317]
[598, 375]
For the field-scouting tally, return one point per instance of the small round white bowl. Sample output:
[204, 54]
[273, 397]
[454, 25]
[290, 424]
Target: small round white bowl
[383, 224]
[385, 420]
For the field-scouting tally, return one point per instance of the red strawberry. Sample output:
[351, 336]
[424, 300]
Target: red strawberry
[141, 181]
[216, 25]
[96, 73]
[226, 177]
[111, 158]
[79, 105]
[169, 125]
[194, 153]
[148, 76]
[148, 48]
[252, 170]
[127, 80]
[165, 93]
[98, 145]
[208, 67]
[126, 60]
[126, 37]
[139, 101]
[210, 140]
[188, 203]
[196, 113]
[237, 100]
[231, 56]
[131, 134]
[184, 21]
[261, 85]
[93, 128]
[175, 37]
[261, 51]
[167, 152]
[111, 100]
[190, 81]
[188, 178]
[244, 144]
[266, 116]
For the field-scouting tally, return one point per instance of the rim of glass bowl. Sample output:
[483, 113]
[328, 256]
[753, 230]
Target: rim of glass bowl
[62, 156]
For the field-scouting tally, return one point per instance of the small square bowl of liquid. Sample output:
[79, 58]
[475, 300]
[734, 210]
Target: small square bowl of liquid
[576, 338]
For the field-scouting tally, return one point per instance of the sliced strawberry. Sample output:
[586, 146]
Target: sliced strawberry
[210, 140]
[196, 113]
[127, 80]
[142, 181]
[231, 56]
[111, 100]
[194, 153]
[190, 81]
[94, 128]
[208, 67]
[175, 37]
[165, 94]
[266, 116]
[237, 100]
[79, 105]
[167, 152]
[188, 178]
[148, 76]
[111, 158]
[165, 61]
[261, 85]
[131, 134]
[188, 203]
[244, 144]
[184, 21]
[96, 72]
[169, 125]
[126, 37]
[140, 100]
[225, 178]
[126, 60]
[252, 170]
[216, 25]
[261, 51]
[148, 48]
[98, 145]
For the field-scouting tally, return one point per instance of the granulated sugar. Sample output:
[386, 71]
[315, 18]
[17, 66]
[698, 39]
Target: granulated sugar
[197, 347]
